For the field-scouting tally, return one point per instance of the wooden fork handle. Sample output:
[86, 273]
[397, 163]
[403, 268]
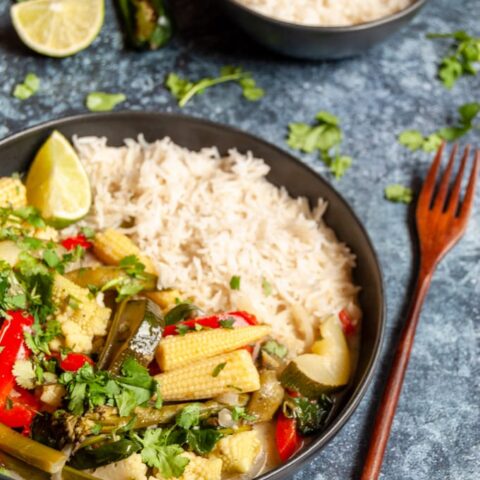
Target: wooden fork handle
[388, 405]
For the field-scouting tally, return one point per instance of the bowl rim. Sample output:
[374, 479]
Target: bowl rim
[356, 395]
[417, 4]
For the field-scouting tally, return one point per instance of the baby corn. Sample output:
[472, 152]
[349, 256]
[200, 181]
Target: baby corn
[230, 372]
[110, 246]
[13, 193]
[177, 351]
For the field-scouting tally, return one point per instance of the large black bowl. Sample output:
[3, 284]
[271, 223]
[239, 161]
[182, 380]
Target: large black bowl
[317, 43]
[17, 152]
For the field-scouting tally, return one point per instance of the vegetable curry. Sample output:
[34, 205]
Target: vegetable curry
[102, 375]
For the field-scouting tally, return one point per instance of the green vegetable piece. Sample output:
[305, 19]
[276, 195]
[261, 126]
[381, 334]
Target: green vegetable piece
[203, 441]
[14, 468]
[180, 312]
[398, 193]
[69, 473]
[328, 118]
[104, 102]
[33, 453]
[339, 165]
[265, 402]
[145, 332]
[235, 282]
[432, 143]
[189, 416]
[104, 454]
[146, 22]
[28, 88]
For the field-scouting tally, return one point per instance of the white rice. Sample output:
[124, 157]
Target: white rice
[327, 12]
[203, 219]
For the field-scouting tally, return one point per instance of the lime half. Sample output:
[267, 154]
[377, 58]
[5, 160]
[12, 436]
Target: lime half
[58, 28]
[57, 183]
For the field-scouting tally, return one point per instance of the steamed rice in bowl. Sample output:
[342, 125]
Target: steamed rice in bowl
[327, 13]
[204, 218]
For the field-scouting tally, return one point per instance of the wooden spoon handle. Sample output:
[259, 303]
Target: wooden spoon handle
[388, 405]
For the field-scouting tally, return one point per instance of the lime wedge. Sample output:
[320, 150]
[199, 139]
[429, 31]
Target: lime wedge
[57, 183]
[58, 28]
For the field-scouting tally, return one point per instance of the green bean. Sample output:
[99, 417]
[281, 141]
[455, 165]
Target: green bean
[31, 452]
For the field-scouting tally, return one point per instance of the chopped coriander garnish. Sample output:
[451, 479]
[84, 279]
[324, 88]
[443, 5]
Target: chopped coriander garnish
[182, 329]
[398, 193]
[88, 232]
[463, 57]
[103, 102]
[240, 413]
[324, 136]
[266, 287]
[227, 323]
[158, 453]
[274, 348]
[29, 87]
[235, 282]
[216, 371]
[184, 90]
[189, 416]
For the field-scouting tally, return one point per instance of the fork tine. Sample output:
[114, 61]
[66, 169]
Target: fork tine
[455, 195]
[439, 201]
[472, 182]
[426, 193]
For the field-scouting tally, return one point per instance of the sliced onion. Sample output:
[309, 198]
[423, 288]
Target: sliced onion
[225, 418]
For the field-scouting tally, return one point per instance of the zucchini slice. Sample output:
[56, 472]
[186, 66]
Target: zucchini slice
[326, 369]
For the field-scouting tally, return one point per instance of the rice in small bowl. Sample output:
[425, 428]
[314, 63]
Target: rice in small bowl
[321, 29]
[327, 13]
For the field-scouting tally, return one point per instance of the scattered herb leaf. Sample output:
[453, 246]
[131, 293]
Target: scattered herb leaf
[398, 193]
[216, 371]
[103, 102]
[235, 282]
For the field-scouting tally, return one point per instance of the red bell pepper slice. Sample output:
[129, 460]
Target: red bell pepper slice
[347, 322]
[242, 319]
[79, 240]
[12, 346]
[19, 410]
[287, 439]
[74, 361]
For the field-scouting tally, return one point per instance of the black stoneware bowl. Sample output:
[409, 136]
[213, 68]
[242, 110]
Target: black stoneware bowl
[317, 43]
[17, 152]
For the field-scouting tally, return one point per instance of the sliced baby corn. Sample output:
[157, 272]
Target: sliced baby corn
[110, 246]
[230, 372]
[13, 193]
[177, 351]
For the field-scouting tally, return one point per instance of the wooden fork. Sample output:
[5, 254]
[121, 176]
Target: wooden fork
[441, 222]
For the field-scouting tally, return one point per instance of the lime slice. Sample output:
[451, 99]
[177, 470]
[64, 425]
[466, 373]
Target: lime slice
[57, 183]
[58, 28]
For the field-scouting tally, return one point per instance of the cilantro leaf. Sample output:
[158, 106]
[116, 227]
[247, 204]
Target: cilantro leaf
[266, 287]
[157, 454]
[235, 282]
[227, 323]
[189, 416]
[274, 348]
[412, 139]
[218, 368]
[103, 102]
[204, 440]
[184, 90]
[28, 88]
[398, 193]
[464, 54]
[323, 136]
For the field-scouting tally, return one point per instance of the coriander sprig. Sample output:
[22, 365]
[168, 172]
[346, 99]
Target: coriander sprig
[415, 140]
[325, 136]
[465, 54]
[184, 90]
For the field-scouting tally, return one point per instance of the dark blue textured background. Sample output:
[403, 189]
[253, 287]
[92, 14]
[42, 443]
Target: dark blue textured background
[436, 434]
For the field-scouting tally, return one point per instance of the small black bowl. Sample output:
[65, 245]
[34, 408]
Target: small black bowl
[317, 43]
[17, 152]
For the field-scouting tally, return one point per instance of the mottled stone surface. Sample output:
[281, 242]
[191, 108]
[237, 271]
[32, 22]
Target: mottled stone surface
[436, 434]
